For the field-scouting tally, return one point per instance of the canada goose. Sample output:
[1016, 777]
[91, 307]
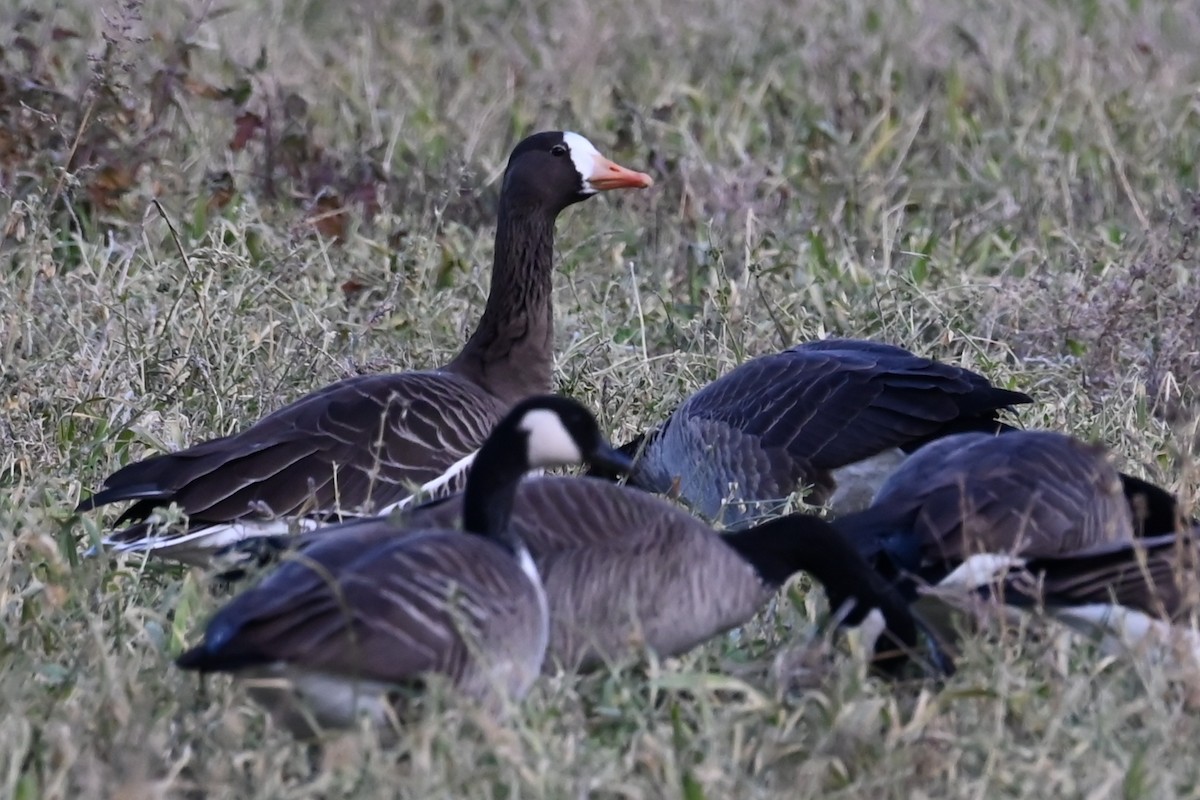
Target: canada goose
[338, 637]
[626, 571]
[1027, 493]
[364, 443]
[832, 414]
[965, 511]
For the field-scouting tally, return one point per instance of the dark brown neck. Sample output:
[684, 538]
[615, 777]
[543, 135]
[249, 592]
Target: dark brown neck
[511, 351]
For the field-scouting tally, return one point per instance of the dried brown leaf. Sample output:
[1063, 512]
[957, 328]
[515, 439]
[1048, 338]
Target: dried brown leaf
[328, 215]
[221, 188]
[244, 127]
[199, 88]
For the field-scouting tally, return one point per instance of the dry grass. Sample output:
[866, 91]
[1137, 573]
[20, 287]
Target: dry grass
[1009, 187]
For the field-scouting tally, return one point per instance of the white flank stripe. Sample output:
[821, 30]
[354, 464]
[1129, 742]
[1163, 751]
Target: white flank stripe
[194, 546]
[528, 566]
[433, 489]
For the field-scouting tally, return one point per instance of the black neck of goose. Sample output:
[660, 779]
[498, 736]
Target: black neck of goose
[510, 354]
[492, 489]
[782, 547]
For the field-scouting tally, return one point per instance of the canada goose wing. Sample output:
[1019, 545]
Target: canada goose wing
[553, 513]
[367, 439]
[1029, 492]
[623, 570]
[838, 401]
[388, 612]
[671, 587]
[1157, 576]
[782, 420]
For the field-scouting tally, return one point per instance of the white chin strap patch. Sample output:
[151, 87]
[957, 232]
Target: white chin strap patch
[583, 156]
[549, 442]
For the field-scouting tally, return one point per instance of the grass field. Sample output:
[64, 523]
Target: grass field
[209, 210]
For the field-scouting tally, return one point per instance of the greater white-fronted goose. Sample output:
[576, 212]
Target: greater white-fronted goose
[837, 415]
[364, 443]
[627, 572]
[332, 638]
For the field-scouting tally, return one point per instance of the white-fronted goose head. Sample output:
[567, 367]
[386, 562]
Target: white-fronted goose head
[626, 572]
[837, 415]
[349, 635]
[363, 444]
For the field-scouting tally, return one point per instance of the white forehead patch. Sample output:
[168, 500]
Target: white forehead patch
[549, 442]
[583, 156]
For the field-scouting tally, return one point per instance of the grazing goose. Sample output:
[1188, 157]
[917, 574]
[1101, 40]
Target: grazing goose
[336, 637]
[626, 571]
[1027, 493]
[964, 511]
[836, 415]
[364, 443]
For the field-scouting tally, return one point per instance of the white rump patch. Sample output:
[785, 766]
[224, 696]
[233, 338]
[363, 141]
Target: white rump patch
[1130, 629]
[550, 444]
[980, 570]
[583, 156]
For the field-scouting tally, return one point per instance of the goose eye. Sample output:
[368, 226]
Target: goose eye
[558, 150]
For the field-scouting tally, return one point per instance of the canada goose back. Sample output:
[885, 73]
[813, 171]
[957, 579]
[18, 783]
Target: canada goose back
[738, 447]
[626, 572]
[1029, 493]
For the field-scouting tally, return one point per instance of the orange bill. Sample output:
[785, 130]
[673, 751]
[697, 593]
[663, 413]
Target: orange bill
[608, 175]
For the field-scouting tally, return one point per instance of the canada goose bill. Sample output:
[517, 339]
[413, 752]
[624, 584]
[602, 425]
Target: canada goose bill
[967, 508]
[626, 572]
[338, 634]
[837, 415]
[364, 444]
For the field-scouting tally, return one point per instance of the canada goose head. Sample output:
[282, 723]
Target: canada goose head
[554, 169]
[539, 432]
[559, 431]
[780, 548]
